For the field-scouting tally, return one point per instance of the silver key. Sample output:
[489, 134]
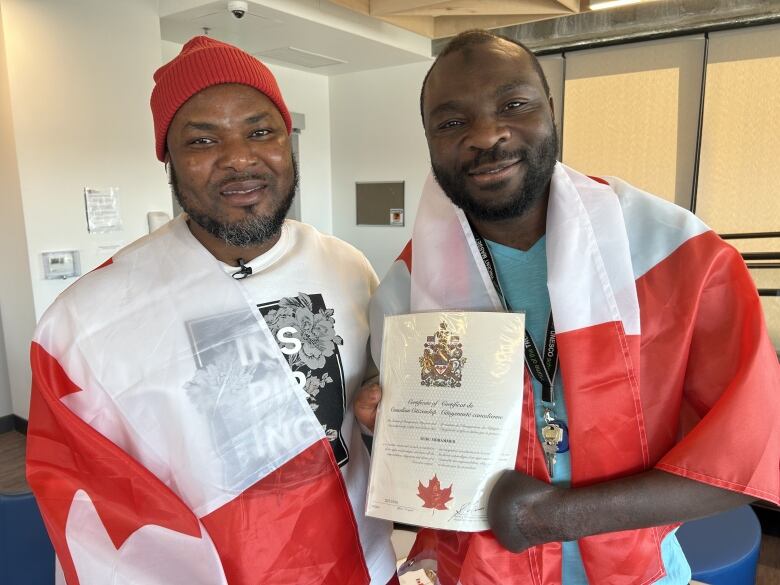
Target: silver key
[550, 449]
[552, 435]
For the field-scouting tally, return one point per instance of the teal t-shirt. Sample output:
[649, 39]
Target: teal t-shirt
[523, 279]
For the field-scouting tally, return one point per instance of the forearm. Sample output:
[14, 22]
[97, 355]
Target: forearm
[523, 514]
[651, 498]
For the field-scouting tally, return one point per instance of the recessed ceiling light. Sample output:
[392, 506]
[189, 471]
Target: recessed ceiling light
[612, 4]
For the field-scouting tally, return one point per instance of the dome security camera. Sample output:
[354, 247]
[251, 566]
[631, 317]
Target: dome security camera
[238, 8]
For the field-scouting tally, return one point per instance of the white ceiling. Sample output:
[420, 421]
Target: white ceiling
[310, 35]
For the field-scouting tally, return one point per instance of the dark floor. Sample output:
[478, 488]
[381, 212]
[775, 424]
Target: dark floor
[769, 561]
[12, 446]
[12, 463]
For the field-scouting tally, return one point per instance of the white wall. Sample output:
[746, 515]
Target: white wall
[80, 76]
[308, 94]
[6, 406]
[304, 93]
[17, 317]
[377, 135]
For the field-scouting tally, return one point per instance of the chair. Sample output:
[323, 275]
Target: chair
[26, 553]
[723, 549]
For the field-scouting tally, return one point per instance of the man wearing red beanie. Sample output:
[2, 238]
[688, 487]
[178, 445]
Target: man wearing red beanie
[190, 419]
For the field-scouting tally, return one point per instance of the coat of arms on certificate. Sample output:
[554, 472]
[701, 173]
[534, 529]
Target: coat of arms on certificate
[442, 360]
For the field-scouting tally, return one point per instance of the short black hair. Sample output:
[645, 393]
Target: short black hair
[473, 38]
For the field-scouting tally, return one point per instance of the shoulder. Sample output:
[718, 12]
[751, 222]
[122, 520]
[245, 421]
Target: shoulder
[642, 208]
[656, 228]
[94, 296]
[131, 262]
[335, 252]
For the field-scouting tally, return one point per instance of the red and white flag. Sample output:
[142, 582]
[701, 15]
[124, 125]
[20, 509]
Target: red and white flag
[168, 440]
[663, 352]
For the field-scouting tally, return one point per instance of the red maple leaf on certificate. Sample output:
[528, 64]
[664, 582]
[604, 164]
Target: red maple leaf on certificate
[432, 495]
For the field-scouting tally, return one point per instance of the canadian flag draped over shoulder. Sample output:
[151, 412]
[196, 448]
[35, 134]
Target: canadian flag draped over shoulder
[663, 352]
[168, 442]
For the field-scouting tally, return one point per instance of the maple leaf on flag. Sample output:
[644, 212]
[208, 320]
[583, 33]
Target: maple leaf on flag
[432, 495]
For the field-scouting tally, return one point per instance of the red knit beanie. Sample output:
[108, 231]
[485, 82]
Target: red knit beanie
[204, 62]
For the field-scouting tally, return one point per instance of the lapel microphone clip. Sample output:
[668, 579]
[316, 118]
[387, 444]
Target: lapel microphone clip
[242, 272]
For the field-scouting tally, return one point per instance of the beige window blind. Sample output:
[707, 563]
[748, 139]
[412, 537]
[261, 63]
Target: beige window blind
[740, 151]
[632, 111]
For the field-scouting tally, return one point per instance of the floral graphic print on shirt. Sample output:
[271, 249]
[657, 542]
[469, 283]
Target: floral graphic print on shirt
[305, 330]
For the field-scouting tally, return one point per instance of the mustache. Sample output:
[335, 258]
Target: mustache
[494, 155]
[238, 177]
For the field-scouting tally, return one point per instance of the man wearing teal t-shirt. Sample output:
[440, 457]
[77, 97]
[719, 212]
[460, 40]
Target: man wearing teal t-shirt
[651, 345]
[522, 275]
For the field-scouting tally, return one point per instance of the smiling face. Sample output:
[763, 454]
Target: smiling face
[231, 164]
[490, 130]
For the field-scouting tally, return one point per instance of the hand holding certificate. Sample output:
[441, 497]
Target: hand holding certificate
[449, 420]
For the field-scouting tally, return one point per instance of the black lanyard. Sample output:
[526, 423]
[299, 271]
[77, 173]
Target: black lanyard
[543, 366]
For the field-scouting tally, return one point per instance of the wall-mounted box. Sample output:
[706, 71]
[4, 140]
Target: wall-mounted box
[380, 203]
[60, 265]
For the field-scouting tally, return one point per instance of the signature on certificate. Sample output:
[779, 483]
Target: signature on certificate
[467, 510]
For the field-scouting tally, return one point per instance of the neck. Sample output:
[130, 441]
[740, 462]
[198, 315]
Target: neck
[225, 252]
[520, 232]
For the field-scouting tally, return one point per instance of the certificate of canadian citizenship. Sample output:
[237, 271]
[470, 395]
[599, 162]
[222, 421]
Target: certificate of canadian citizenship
[449, 420]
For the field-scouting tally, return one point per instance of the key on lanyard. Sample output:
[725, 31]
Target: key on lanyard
[552, 437]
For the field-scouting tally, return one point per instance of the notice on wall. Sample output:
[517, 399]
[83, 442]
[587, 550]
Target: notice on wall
[102, 206]
[397, 217]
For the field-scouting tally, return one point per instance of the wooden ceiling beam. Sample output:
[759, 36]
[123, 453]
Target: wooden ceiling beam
[573, 5]
[360, 6]
[483, 8]
[422, 25]
[450, 26]
[403, 7]
[443, 18]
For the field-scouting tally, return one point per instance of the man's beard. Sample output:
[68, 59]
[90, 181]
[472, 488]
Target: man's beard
[539, 162]
[250, 231]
